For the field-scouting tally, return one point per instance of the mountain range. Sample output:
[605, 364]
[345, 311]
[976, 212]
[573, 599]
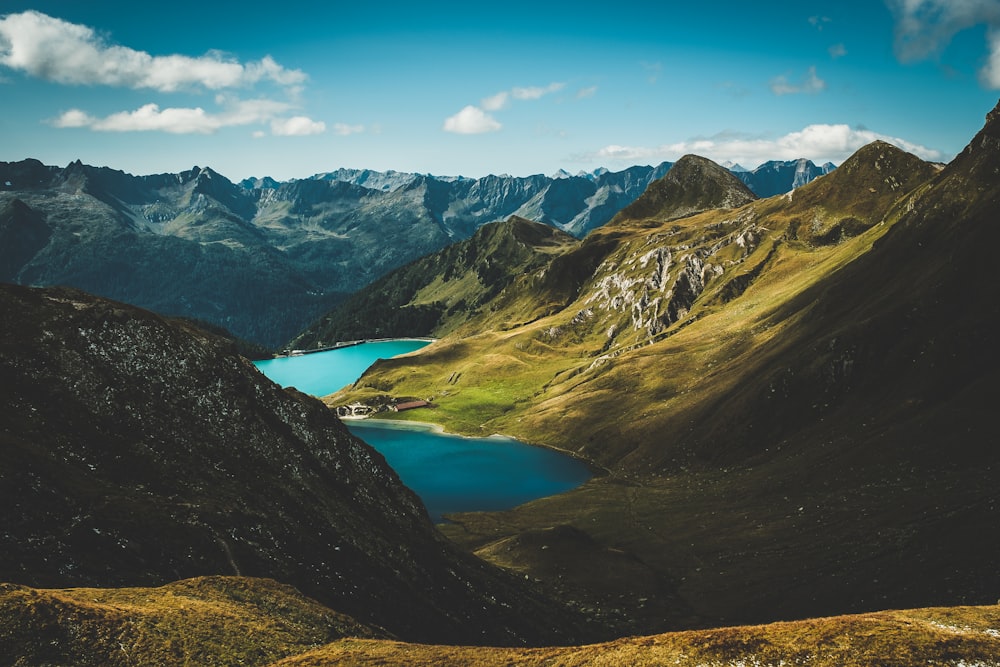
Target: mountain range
[262, 258]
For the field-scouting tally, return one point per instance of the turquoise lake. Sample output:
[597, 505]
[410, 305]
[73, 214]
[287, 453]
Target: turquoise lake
[322, 373]
[450, 473]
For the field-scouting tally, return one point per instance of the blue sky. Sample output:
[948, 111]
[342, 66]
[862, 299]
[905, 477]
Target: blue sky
[255, 89]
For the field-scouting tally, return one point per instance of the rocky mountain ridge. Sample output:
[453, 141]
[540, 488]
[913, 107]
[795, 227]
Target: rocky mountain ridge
[262, 258]
[441, 291]
[433, 303]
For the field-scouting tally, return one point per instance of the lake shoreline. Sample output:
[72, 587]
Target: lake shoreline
[403, 425]
[340, 345]
[450, 472]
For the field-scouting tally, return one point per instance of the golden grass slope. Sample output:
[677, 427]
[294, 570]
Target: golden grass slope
[246, 621]
[202, 621]
[672, 315]
[966, 636]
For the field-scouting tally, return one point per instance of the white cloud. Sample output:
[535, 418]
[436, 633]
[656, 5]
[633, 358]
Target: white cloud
[924, 28]
[811, 84]
[344, 130]
[495, 102]
[990, 74]
[74, 118]
[584, 93]
[819, 143]
[296, 126]
[474, 119]
[535, 92]
[837, 51]
[471, 120]
[146, 118]
[182, 120]
[55, 50]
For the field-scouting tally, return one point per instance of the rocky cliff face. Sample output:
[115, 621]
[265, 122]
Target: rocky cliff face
[778, 177]
[134, 451]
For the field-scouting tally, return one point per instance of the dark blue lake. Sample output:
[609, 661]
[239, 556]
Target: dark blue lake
[450, 473]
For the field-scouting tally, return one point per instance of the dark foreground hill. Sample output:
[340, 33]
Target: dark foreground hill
[794, 395]
[137, 451]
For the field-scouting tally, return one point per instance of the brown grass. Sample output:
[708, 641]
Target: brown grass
[203, 621]
[936, 636]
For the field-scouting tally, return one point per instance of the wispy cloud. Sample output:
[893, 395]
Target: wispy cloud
[55, 50]
[535, 92]
[820, 143]
[186, 120]
[584, 93]
[837, 51]
[475, 120]
[344, 130]
[654, 70]
[810, 84]
[819, 21]
[496, 102]
[924, 28]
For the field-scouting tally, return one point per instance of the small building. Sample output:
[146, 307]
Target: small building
[409, 405]
[354, 410]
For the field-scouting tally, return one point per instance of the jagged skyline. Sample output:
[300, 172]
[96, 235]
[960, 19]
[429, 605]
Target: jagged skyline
[521, 89]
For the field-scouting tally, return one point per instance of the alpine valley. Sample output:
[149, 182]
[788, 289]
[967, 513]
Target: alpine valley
[786, 392]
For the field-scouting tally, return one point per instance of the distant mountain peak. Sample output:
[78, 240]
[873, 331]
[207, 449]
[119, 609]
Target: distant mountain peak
[693, 184]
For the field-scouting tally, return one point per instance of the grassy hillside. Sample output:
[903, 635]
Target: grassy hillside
[437, 293]
[944, 636]
[791, 396]
[244, 621]
[203, 621]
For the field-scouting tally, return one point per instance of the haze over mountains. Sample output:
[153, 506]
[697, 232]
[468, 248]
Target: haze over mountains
[263, 259]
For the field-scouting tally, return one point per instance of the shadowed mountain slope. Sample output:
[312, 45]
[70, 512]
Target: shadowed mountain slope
[439, 292]
[136, 451]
